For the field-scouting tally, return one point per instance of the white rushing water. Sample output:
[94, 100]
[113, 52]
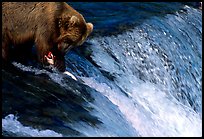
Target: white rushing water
[11, 125]
[152, 112]
[143, 63]
[114, 123]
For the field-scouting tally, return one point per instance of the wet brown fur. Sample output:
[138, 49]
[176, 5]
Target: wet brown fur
[47, 24]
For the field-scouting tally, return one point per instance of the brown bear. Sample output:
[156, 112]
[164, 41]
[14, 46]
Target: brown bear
[53, 26]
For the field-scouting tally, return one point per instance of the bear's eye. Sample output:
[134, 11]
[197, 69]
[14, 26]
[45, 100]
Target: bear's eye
[66, 26]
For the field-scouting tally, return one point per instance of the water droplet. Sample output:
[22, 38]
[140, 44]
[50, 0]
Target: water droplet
[164, 33]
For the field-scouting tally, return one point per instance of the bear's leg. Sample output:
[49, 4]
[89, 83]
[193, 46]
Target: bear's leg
[23, 53]
[42, 49]
[5, 47]
[5, 51]
[60, 63]
[5, 56]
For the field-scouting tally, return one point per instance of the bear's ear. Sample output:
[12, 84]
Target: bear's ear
[73, 20]
[89, 28]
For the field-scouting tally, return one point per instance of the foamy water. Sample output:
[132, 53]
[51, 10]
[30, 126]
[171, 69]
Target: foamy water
[152, 112]
[142, 63]
[11, 125]
[55, 76]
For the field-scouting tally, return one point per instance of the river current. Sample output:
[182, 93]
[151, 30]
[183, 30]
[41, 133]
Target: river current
[138, 74]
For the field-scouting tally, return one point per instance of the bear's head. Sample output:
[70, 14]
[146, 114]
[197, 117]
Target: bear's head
[73, 31]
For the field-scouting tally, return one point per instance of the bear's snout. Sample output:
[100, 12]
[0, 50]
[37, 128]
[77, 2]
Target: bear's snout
[64, 47]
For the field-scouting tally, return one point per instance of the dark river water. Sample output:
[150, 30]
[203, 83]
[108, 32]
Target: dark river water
[138, 74]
